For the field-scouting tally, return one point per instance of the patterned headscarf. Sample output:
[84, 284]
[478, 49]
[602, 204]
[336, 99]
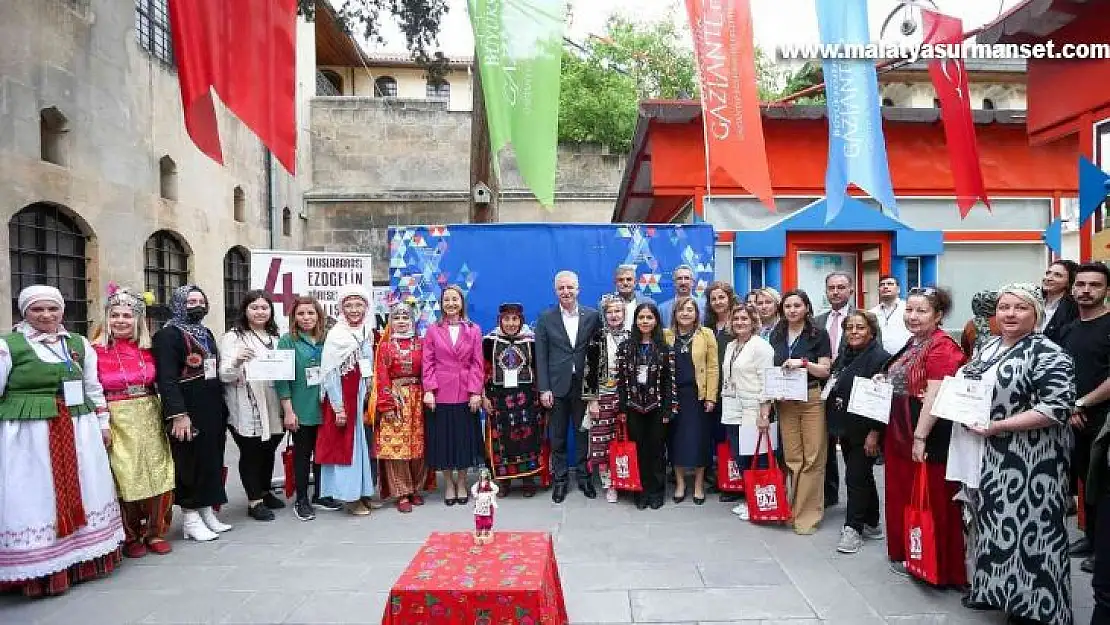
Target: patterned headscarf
[180, 319]
[983, 304]
[401, 309]
[1029, 293]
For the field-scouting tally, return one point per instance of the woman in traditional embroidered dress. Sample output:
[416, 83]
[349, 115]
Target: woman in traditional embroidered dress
[742, 400]
[514, 420]
[300, 401]
[140, 454]
[914, 435]
[342, 443]
[1021, 545]
[599, 388]
[59, 518]
[185, 360]
[453, 376]
[254, 407]
[697, 374]
[399, 411]
[648, 398]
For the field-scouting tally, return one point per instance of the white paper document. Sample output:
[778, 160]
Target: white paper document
[779, 383]
[749, 436]
[964, 401]
[871, 399]
[271, 364]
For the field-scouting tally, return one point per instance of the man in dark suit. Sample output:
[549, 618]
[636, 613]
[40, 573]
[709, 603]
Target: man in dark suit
[840, 291]
[562, 334]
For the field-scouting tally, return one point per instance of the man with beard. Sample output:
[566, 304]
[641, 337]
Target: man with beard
[1087, 340]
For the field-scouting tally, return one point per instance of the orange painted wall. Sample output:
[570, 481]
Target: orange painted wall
[797, 150]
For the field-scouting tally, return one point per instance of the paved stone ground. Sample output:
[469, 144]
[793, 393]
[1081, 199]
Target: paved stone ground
[680, 564]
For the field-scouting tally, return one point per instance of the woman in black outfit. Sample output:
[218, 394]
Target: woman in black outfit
[646, 392]
[1060, 307]
[860, 437]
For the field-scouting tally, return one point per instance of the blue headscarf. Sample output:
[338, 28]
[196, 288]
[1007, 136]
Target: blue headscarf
[180, 319]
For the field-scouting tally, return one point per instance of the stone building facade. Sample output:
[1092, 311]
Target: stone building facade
[99, 181]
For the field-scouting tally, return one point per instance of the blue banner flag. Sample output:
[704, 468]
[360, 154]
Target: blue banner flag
[857, 150]
[1053, 236]
[1094, 184]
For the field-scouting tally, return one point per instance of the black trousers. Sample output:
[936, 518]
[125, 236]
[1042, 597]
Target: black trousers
[568, 410]
[304, 445]
[1080, 464]
[1100, 582]
[650, 435]
[832, 473]
[859, 480]
[256, 463]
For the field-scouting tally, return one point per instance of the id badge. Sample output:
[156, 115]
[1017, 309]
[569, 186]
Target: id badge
[825, 392]
[73, 391]
[365, 367]
[209, 368]
[511, 376]
[312, 376]
[641, 374]
[136, 390]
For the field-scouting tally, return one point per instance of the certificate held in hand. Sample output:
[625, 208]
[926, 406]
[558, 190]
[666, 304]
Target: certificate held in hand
[780, 383]
[871, 399]
[964, 401]
[271, 364]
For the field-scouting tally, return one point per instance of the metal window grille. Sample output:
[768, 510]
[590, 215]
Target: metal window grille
[913, 272]
[438, 91]
[328, 83]
[166, 268]
[237, 281]
[48, 247]
[152, 27]
[757, 273]
[385, 87]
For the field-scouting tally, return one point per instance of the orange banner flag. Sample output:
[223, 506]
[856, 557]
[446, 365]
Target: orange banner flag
[733, 125]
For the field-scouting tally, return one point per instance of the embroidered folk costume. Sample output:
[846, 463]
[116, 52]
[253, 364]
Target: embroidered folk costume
[140, 453]
[343, 450]
[59, 517]
[399, 410]
[599, 383]
[485, 502]
[515, 424]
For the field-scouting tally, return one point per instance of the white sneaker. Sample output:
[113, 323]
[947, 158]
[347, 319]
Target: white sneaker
[741, 510]
[873, 532]
[208, 515]
[194, 528]
[850, 540]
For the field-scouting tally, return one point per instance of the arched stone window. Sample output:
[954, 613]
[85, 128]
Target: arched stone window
[385, 87]
[166, 267]
[48, 246]
[237, 281]
[53, 127]
[239, 204]
[167, 178]
[287, 222]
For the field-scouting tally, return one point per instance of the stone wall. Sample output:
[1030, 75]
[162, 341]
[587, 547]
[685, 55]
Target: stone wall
[123, 112]
[378, 163]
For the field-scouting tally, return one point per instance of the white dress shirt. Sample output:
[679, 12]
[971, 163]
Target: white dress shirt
[570, 323]
[892, 323]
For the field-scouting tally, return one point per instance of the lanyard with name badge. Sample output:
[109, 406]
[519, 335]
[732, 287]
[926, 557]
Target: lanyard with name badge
[73, 391]
[312, 372]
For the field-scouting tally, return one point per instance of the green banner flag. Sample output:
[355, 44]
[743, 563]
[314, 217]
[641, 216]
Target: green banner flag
[520, 48]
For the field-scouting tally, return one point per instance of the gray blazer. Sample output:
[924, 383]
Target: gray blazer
[556, 359]
[823, 319]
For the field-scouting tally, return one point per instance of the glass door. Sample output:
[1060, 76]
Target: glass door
[814, 266]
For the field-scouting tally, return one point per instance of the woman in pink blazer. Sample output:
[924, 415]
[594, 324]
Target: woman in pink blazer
[453, 377]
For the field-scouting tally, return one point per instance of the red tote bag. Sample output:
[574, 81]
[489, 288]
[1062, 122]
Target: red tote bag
[287, 466]
[624, 467]
[729, 477]
[765, 489]
[921, 535]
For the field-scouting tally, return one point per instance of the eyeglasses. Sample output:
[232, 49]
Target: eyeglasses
[927, 291]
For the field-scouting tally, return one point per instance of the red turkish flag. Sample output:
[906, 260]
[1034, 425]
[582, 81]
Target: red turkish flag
[949, 77]
[733, 125]
[245, 50]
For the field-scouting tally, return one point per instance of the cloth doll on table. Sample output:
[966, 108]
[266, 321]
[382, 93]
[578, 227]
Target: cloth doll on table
[485, 501]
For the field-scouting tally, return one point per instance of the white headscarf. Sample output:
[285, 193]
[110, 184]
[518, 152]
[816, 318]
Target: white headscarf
[343, 341]
[39, 293]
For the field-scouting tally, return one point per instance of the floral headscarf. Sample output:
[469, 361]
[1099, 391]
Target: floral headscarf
[983, 304]
[180, 318]
[1029, 293]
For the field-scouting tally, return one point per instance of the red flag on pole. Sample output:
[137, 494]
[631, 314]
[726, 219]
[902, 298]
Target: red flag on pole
[246, 51]
[723, 41]
[949, 77]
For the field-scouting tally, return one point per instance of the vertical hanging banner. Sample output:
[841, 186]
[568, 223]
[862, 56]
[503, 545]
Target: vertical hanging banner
[949, 78]
[857, 149]
[246, 51]
[520, 52]
[733, 125]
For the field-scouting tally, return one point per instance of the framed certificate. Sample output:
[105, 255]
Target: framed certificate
[964, 401]
[871, 399]
[271, 364]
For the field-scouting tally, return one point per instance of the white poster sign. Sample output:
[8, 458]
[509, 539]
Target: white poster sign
[289, 274]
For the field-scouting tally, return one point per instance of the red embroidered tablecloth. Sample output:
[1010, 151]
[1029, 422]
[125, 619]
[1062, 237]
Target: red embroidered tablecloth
[512, 581]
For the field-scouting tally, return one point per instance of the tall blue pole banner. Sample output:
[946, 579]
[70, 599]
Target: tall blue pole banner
[498, 263]
[857, 150]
